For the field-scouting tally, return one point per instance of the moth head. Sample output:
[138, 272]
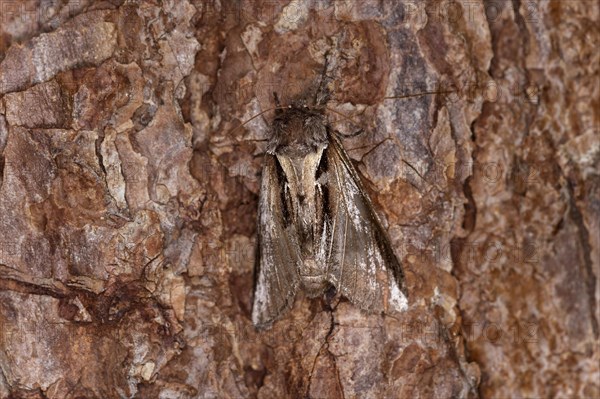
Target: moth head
[297, 131]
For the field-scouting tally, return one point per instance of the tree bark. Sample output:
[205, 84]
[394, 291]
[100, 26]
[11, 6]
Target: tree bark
[130, 159]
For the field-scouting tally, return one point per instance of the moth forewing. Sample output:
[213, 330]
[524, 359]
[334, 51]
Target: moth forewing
[275, 287]
[365, 239]
[317, 227]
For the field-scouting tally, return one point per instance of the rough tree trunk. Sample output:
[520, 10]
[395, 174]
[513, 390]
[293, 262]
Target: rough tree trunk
[128, 197]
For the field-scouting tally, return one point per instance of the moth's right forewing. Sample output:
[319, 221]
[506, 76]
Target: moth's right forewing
[278, 254]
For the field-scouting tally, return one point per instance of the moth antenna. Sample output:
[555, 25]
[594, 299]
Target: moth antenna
[425, 93]
[343, 116]
[387, 98]
[219, 145]
[254, 117]
[256, 140]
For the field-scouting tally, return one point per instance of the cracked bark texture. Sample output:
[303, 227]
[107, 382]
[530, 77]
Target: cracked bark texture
[128, 197]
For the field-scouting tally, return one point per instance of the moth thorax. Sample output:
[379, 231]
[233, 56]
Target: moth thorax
[298, 132]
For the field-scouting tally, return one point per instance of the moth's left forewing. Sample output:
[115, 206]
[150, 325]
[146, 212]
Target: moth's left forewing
[361, 261]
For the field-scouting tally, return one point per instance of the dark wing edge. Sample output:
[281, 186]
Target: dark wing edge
[276, 279]
[360, 249]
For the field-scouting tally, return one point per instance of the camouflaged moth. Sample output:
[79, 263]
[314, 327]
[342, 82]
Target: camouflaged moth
[317, 228]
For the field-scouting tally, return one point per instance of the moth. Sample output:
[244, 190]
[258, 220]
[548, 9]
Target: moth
[317, 228]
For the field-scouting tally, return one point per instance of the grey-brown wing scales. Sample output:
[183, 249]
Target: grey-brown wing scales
[361, 263]
[277, 276]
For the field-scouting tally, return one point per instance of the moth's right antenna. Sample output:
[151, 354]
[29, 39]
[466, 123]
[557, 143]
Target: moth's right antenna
[386, 98]
[420, 94]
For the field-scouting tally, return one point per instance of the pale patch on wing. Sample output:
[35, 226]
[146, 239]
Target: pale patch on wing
[398, 300]
[278, 257]
[359, 253]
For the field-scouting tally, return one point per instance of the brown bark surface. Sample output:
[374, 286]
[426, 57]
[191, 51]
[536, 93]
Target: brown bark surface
[128, 197]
